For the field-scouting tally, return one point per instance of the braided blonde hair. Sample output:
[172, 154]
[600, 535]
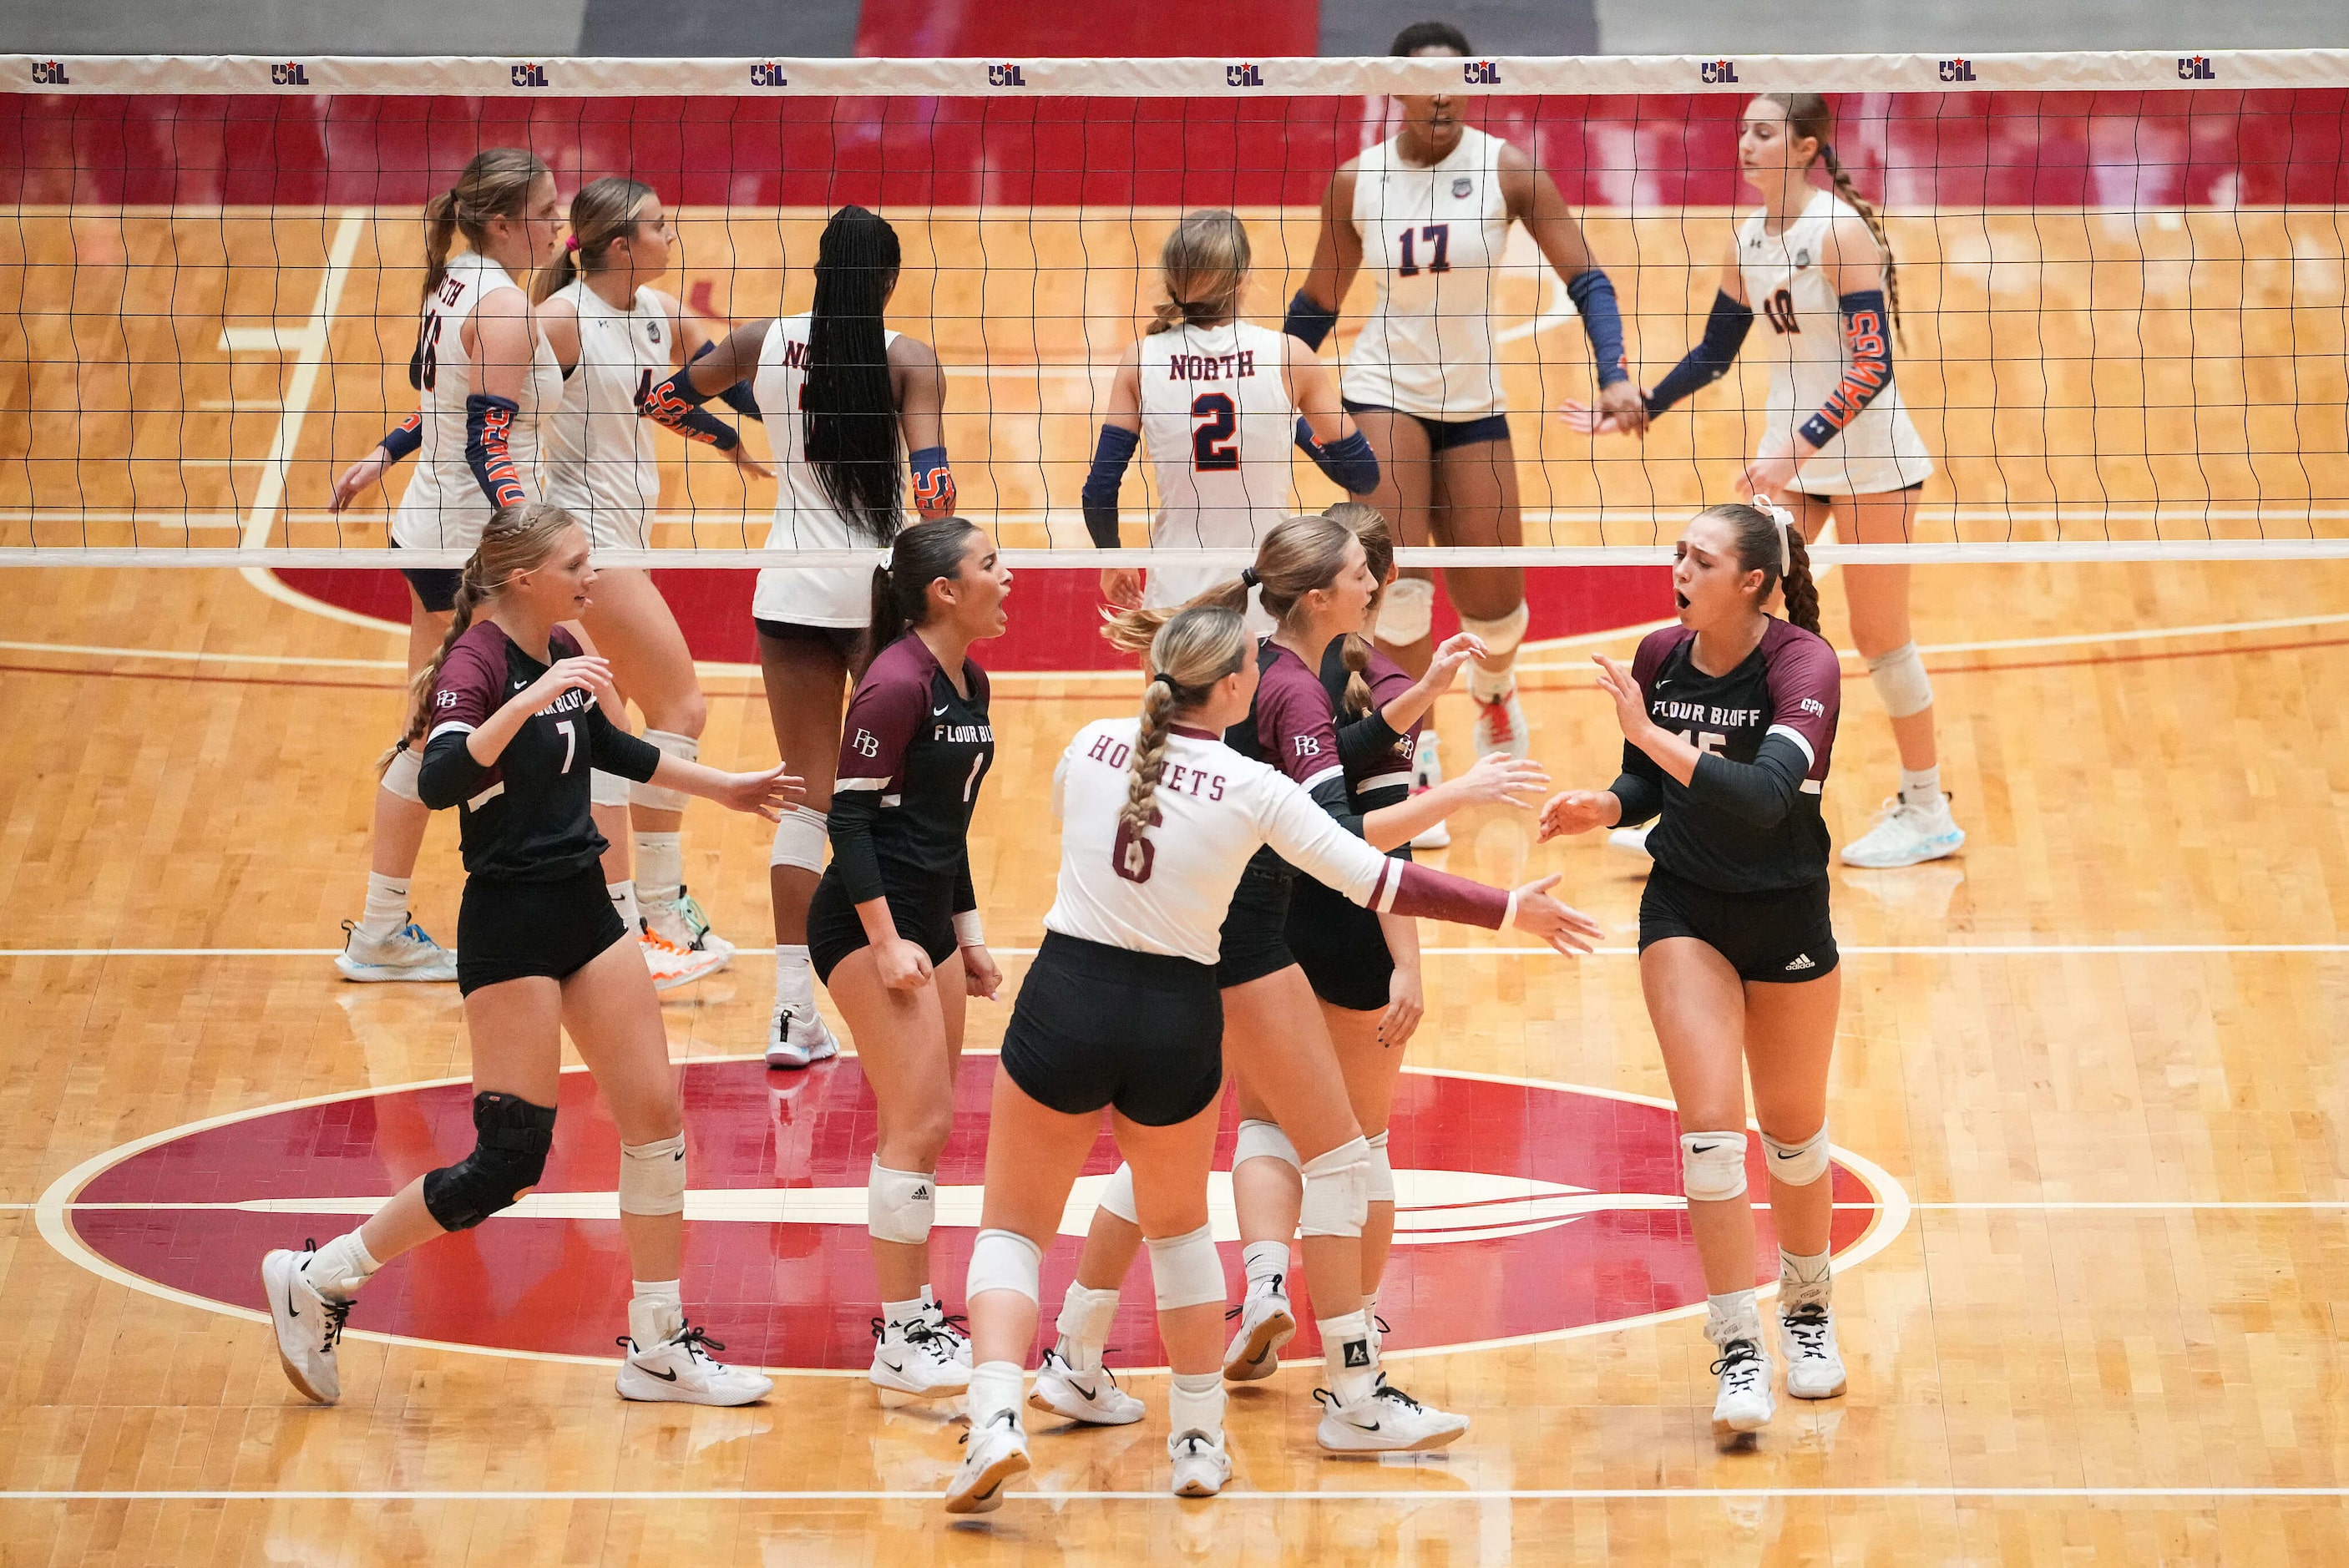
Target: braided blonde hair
[518, 539]
[1205, 261]
[1198, 645]
[1370, 526]
[1300, 555]
[1807, 114]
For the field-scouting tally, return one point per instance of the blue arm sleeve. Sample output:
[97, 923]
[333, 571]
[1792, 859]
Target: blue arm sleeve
[402, 440]
[675, 405]
[1594, 297]
[1348, 460]
[1113, 450]
[736, 396]
[1308, 321]
[1709, 361]
[488, 421]
[934, 486]
[1867, 369]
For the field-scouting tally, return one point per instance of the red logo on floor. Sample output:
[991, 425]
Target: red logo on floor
[1525, 1209]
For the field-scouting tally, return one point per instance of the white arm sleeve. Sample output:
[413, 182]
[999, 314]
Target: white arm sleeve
[1310, 839]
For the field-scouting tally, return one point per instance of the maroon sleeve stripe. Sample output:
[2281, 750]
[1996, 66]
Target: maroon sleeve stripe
[1439, 895]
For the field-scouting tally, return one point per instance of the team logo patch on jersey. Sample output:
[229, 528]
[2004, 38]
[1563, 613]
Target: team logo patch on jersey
[1572, 1225]
[865, 745]
[652, 330]
[445, 698]
[1802, 258]
[1462, 186]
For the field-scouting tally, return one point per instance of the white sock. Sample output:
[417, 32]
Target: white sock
[1797, 1272]
[1266, 1262]
[1196, 1404]
[1922, 787]
[656, 1312]
[660, 867]
[623, 895]
[1347, 1357]
[1733, 1315]
[894, 1313]
[795, 980]
[387, 905]
[1085, 1319]
[336, 1270]
[1491, 685]
[995, 1386]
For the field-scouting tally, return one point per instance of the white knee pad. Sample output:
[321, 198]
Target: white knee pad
[1502, 637]
[1407, 612]
[652, 1177]
[1118, 1196]
[1264, 1139]
[401, 775]
[607, 788]
[899, 1205]
[652, 797]
[1799, 1164]
[1901, 682]
[1004, 1260]
[1713, 1165]
[1186, 1270]
[1337, 1191]
[1381, 1176]
[800, 839]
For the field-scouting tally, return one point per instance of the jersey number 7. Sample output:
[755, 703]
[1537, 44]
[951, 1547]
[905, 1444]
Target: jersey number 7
[1211, 448]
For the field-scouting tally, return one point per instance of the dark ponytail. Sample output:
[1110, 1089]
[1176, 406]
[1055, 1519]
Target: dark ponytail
[850, 414]
[1759, 540]
[918, 557]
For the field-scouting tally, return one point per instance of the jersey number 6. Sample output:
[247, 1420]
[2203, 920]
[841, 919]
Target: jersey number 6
[1212, 450]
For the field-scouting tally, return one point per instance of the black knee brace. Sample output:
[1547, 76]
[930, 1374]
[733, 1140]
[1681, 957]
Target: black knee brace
[511, 1138]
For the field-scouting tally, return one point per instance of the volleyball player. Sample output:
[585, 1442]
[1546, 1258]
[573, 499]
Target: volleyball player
[894, 927]
[1727, 721]
[1836, 441]
[854, 400]
[487, 377]
[1219, 400]
[1160, 822]
[1427, 212]
[513, 717]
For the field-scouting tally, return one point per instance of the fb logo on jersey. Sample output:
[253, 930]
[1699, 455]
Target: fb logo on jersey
[529, 75]
[51, 74]
[1005, 76]
[445, 698]
[865, 744]
[1307, 746]
[289, 75]
[1717, 73]
[767, 74]
[2196, 69]
[1243, 77]
[1957, 70]
[1481, 73]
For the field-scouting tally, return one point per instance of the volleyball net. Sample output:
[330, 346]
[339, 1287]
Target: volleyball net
[2121, 276]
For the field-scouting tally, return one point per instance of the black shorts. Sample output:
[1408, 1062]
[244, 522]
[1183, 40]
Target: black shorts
[512, 930]
[1443, 434]
[1340, 946]
[848, 641]
[1781, 936]
[1096, 1025]
[1831, 499]
[1256, 929]
[435, 587]
[923, 915]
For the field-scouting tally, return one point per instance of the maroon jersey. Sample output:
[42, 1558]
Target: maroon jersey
[1293, 726]
[524, 818]
[1748, 821]
[912, 752]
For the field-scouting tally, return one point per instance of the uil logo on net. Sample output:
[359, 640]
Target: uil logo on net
[528, 75]
[1717, 73]
[1006, 76]
[1959, 70]
[1481, 73]
[1242, 76]
[2196, 69]
[51, 74]
[288, 73]
[768, 74]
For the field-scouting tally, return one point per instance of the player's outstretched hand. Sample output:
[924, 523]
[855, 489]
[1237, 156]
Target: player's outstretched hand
[357, 478]
[1122, 586]
[1406, 1006]
[1584, 419]
[1569, 930]
[1451, 655]
[981, 974]
[1499, 778]
[904, 965]
[762, 794]
[589, 673]
[1615, 678]
[739, 455]
[1625, 406]
[1571, 811]
[1772, 477]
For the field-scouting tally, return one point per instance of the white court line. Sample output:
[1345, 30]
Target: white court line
[1385, 1495]
[1955, 950]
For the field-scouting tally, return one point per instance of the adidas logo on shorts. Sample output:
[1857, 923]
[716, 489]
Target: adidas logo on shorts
[1800, 961]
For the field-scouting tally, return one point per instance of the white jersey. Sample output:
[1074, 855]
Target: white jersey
[1432, 237]
[443, 507]
[805, 518]
[601, 464]
[1216, 808]
[1220, 426]
[1878, 452]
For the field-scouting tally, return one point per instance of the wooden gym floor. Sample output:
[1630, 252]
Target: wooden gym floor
[2094, 1060]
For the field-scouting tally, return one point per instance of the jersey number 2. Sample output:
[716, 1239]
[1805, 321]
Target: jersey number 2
[1212, 448]
[1437, 234]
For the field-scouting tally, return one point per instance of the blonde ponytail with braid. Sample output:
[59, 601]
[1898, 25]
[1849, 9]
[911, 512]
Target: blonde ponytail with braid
[1197, 646]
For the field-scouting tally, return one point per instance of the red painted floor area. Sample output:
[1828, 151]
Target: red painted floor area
[784, 1294]
[1055, 616]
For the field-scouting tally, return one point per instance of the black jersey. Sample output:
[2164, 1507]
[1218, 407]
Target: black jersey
[1748, 821]
[1377, 761]
[1293, 727]
[524, 816]
[912, 752]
